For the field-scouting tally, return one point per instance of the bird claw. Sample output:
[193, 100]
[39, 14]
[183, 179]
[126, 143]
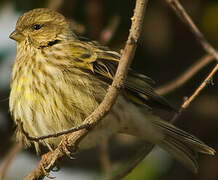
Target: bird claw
[45, 172]
[68, 151]
[56, 168]
[45, 169]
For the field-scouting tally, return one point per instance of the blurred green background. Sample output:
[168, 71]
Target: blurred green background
[166, 49]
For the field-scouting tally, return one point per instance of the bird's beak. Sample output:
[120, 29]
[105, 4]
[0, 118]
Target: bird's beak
[17, 36]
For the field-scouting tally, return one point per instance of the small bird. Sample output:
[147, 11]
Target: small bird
[58, 79]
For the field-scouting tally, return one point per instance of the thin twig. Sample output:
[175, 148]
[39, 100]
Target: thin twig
[200, 88]
[94, 16]
[7, 161]
[105, 160]
[184, 106]
[78, 28]
[185, 76]
[73, 139]
[38, 138]
[55, 5]
[142, 154]
[183, 15]
[58, 5]
[177, 114]
[180, 11]
[187, 101]
[107, 33]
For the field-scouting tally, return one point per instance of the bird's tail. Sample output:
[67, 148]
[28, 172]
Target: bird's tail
[182, 145]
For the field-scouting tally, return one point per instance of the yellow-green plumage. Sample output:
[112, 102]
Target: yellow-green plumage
[58, 79]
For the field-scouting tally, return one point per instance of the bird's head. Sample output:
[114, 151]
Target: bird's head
[41, 27]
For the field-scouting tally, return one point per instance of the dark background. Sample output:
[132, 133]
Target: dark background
[166, 49]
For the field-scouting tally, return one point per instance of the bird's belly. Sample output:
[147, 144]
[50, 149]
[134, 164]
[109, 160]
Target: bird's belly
[40, 113]
[46, 113]
[50, 113]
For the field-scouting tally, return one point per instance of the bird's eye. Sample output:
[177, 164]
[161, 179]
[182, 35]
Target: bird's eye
[36, 26]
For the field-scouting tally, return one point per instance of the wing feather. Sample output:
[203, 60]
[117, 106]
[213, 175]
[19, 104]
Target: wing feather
[102, 61]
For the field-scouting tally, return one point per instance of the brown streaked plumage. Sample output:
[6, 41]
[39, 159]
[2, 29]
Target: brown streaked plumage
[58, 79]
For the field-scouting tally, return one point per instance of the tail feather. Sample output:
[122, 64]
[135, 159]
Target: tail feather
[181, 153]
[182, 145]
[182, 136]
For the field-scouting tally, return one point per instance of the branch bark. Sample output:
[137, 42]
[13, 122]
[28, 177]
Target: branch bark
[72, 140]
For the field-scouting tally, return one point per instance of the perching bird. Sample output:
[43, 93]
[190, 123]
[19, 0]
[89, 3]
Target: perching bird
[58, 79]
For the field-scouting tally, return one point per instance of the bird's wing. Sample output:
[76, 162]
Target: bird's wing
[98, 59]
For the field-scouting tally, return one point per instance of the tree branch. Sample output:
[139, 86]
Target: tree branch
[180, 11]
[104, 158]
[142, 154]
[185, 76]
[72, 140]
[38, 138]
[107, 33]
[184, 17]
[7, 161]
[200, 88]
[55, 5]
[195, 94]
